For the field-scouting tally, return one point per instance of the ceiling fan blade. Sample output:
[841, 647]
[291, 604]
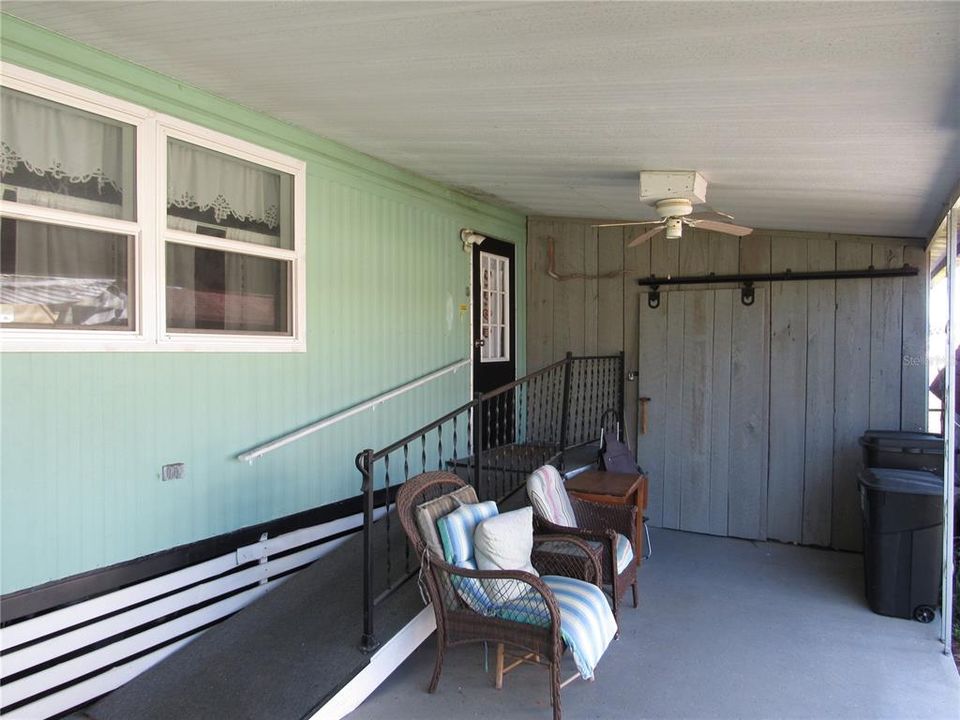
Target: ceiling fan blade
[722, 227]
[626, 224]
[639, 239]
[710, 215]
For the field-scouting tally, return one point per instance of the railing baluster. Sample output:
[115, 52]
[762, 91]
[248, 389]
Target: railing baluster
[386, 475]
[455, 443]
[368, 642]
[423, 452]
[478, 443]
[439, 447]
[406, 476]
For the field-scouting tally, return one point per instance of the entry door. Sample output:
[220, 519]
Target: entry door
[703, 366]
[494, 334]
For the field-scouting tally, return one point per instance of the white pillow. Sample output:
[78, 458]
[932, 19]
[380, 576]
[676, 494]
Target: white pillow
[505, 542]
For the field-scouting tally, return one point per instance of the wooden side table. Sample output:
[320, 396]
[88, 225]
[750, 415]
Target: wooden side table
[614, 489]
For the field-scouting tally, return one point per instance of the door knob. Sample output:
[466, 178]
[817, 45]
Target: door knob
[479, 343]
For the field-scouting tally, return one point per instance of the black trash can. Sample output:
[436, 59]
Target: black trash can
[902, 541]
[904, 450]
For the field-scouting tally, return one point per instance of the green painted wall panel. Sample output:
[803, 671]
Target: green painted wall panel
[84, 434]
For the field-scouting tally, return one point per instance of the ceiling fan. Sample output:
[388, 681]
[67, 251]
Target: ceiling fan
[675, 212]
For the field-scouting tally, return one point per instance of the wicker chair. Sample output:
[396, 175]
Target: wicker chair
[555, 512]
[458, 623]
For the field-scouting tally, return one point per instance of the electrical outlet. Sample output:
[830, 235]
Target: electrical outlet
[173, 471]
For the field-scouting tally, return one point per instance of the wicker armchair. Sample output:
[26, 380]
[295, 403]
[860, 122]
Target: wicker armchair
[613, 526]
[538, 637]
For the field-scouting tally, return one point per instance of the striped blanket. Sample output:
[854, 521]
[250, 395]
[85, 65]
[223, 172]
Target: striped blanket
[586, 621]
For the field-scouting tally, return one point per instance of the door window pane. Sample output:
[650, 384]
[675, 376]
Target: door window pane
[494, 299]
[57, 156]
[211, 291]
[210, 193]
[60, 277]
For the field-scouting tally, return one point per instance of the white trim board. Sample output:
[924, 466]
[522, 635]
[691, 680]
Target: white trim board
[382, 664]
[50, 685]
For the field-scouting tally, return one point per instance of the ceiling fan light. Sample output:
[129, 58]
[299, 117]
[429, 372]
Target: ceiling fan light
[674, 229]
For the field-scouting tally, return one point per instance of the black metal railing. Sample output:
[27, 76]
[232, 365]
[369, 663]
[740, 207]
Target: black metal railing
[492, 442]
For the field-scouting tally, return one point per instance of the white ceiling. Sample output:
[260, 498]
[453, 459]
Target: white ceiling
[841, 117]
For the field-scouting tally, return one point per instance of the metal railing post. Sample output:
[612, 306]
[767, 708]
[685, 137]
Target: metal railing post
[477, 442]
[368, 642]
[620, 399]
[565, 406]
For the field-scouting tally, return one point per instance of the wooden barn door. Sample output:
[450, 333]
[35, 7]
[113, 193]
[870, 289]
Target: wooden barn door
[703, 363]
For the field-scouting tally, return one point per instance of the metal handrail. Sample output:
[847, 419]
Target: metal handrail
[261, 450]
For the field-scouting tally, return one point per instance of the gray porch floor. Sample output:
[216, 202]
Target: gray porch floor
[725, 629]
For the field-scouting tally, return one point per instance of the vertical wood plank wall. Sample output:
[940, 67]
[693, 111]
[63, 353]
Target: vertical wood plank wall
[839, 356]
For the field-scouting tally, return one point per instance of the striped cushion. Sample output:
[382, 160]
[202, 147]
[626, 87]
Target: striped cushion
[624, 553]
[549, 497]
[428, 513]
[456, 535]
[586, 622]
[456, 530]
[471, 591]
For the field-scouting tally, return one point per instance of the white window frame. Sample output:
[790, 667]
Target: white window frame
[150, 233]
[503, 305]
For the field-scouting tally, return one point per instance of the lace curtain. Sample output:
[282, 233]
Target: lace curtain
[60, 143]
[230, 191]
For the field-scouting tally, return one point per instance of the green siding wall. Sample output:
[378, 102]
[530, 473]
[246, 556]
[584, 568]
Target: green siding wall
[84, 434]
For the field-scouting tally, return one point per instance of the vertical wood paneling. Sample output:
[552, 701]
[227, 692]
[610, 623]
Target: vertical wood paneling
[695, 411]
[852, 392]
[747, 514]
[591, 289]
[810, 344]
[694, 253]
[673, 305]
[652, 383]
[788, 381]
[636, 261]
[720, 406]
[913, 380]
[569, 315]
[818, 444]
[724, 254]
[540, 297]
[886, 341]
[611, 307]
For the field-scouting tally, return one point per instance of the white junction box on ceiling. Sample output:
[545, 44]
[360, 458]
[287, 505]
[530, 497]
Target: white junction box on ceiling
[655, 186]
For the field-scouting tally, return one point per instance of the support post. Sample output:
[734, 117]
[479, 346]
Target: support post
[368, 642]
[565, 407]
[620, 399]
[477, 442]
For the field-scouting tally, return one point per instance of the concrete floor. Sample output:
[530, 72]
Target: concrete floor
[725, 629]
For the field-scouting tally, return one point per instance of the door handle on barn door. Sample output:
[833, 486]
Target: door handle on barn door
[479, 343]
[643, 414]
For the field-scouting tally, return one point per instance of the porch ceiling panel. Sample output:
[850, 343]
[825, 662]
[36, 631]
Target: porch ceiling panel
[839, 117]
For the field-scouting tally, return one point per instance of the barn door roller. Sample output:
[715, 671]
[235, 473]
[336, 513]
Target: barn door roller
[747, 281]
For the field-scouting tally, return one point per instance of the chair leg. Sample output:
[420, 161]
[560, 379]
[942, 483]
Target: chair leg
[555, 689]
[438, 665]
[634, 588]
[616, 606]
[498, 680]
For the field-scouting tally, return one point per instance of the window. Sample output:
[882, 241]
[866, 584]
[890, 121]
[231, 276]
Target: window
[494, 313]
[126, 229]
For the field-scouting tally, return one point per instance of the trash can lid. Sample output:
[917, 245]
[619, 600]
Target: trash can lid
[910, 482]
[903, 439]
